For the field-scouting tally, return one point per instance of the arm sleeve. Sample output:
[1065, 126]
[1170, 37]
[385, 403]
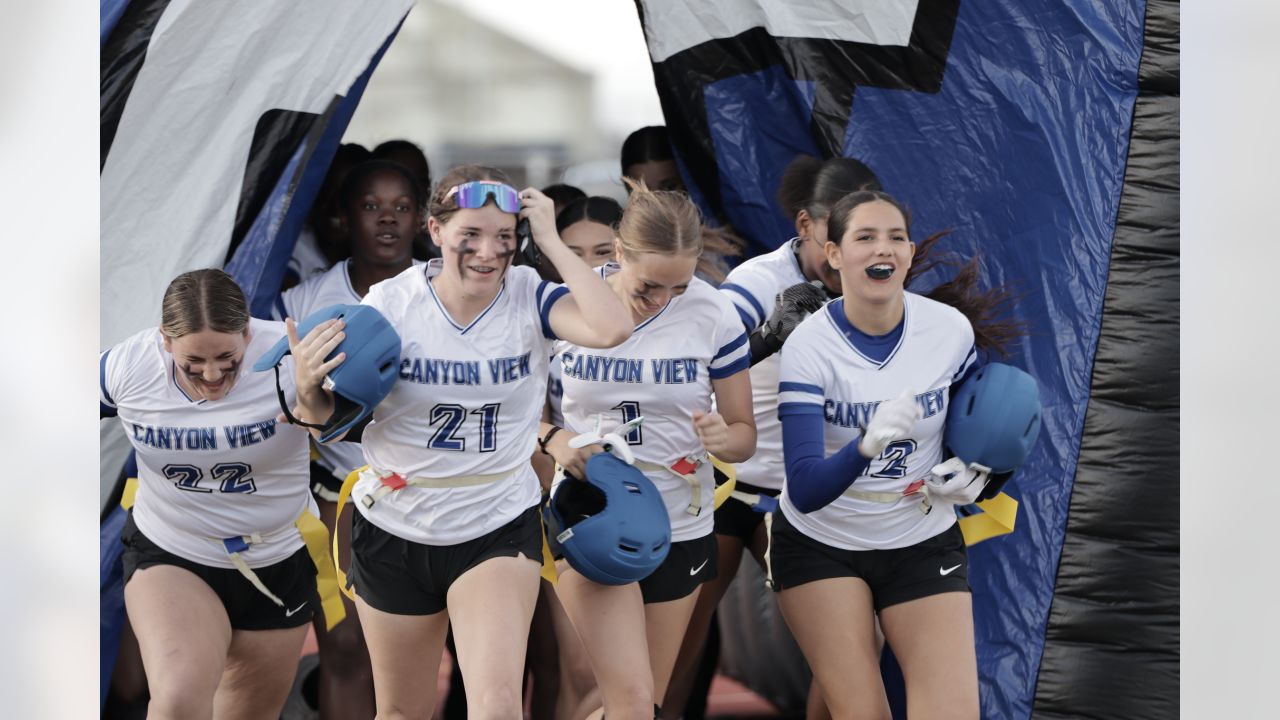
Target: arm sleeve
[812, 480]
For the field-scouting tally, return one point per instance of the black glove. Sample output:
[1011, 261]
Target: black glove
[791, 306]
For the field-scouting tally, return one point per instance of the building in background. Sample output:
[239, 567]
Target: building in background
[466, 91]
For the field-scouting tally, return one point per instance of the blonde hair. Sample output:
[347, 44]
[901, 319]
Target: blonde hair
[200, 300]
[442, 207]
[667, 222]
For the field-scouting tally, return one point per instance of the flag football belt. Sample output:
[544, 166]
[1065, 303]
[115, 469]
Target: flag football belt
[314, 535]
[686, 468]
[997, 517]
[387, 484]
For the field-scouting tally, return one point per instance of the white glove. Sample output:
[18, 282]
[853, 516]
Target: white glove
[893, 420]
[612, 442]
[955, 482]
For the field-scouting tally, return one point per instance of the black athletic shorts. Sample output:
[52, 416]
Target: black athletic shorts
[403, 577]
[736, 518]
[689, 564]
[324, 484]
[931, 567]
[293, 580]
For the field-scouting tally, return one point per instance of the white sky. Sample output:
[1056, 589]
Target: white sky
[598, 36]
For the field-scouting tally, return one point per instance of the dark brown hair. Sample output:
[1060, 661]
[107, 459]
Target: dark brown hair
[987, 310]
[815, 185]
[203, 300]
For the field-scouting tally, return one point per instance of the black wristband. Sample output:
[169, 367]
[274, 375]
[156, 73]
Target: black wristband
[542, 441]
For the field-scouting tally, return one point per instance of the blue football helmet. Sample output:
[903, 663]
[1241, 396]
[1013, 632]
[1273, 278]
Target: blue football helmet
[612, 527]
[365, 376]
[994, 417]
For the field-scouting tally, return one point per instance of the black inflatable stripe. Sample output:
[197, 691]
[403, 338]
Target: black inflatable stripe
[1111, 645]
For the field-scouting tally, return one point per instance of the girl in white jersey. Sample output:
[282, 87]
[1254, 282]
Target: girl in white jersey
[380, 209]
[447, 530]
[219, 585]
[688, 344]
[772, 293]
[863, 395]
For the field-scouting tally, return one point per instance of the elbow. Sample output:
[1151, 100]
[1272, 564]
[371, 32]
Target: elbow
[618, 334]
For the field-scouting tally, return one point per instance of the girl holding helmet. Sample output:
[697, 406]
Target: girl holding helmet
[688, 345]
[219, 585]
[446, 529]
[863, 397]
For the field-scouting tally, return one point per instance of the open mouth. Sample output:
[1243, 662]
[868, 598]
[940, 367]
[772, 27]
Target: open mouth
[880, 271]
[482, 269]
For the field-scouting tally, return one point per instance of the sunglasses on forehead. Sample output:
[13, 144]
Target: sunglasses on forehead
[475, 194]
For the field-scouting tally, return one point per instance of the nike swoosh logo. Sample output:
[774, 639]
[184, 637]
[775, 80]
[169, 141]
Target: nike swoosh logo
[948, 570]
[695, 570]
[289, 613]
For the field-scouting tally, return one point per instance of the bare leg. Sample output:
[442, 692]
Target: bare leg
[259, 671]
[491, 606]
[183, 635]
[932, 637]
[832, 620]
[405, 653]
[610, 620]
[685, 669]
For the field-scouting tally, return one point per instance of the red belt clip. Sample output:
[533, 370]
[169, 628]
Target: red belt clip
[393, 481]
[913, 488]
[685, 466]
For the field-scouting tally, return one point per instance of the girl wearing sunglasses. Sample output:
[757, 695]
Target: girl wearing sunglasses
[447, 528]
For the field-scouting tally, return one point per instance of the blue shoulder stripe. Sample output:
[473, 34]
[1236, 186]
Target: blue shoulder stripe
[749, 298]
[102, 377]
[731, 346]
[732, 368]
[787, 386]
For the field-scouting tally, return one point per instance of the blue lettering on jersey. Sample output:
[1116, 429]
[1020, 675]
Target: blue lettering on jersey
[595, 368]
[176, 438]
[932, 402]
[850, 414]
[251, 434]
[430, 371]
[509, 369]
[674, 371]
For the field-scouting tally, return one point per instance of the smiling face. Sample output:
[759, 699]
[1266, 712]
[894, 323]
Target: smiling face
[648, 281]
[208, 361]
[873, 255]
[477, 246]
[382, 218]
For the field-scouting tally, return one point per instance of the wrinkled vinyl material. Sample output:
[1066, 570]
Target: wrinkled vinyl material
[1112, 642]
[1010, 123]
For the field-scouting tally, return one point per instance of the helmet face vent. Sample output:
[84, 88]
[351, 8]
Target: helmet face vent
[622, 531]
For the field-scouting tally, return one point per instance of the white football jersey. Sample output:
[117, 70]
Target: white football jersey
[663, 372]
[331, 288]
[753, 287]
[468, 401]
[823, 372]
[210, 470]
